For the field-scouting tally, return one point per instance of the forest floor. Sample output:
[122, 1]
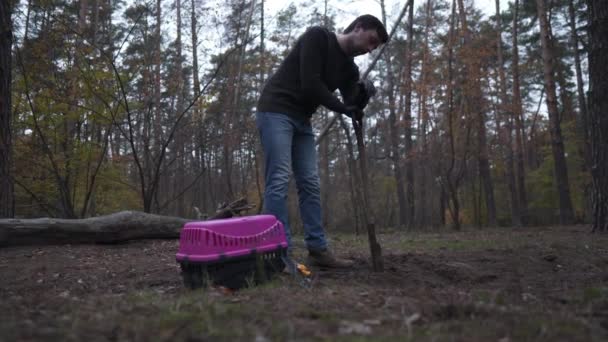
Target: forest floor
[540, 284]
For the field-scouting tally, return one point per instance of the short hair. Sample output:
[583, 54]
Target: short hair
[368, 21]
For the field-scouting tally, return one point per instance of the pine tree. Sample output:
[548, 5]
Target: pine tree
[7, 200]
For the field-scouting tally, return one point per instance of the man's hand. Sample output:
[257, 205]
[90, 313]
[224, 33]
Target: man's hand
[354, 112]
[366, 91]
[368, 87]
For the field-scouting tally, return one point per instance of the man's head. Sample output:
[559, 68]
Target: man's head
[364, 35]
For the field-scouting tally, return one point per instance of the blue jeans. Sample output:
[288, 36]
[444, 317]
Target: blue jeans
[290, 143]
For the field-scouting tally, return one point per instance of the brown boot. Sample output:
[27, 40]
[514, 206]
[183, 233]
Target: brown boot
[326, 259]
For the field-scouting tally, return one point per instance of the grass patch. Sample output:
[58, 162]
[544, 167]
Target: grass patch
[594, 293]
[432, 242]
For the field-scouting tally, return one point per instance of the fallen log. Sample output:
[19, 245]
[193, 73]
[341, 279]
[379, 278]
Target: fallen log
[114, 228]
[117, 227]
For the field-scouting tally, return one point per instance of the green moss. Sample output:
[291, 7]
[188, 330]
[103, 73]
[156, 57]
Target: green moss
[591, 294]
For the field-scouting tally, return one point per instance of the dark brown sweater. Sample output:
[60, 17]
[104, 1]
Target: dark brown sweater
[307, 78]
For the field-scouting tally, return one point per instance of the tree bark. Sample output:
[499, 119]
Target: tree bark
[114, 228]
[566, 214]
[262, 47]
[118, 227]
[180, 140]
[475, 103]
[598, 110]
[423, 114]
[582, 102]
[156, 180]
[157, 78]
[484, 169]
[451, 181]
[506, 132]
[393, 132]
[196, 83]
[409, 165]
[7, 196]
[197, 115]
[517, 113]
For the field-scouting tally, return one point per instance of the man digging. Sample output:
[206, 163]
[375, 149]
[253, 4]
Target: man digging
[318, 64]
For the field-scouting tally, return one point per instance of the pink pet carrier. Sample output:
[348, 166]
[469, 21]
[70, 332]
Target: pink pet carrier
[232, 252]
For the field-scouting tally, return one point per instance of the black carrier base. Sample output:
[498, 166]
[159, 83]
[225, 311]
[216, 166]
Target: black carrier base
[233, 273]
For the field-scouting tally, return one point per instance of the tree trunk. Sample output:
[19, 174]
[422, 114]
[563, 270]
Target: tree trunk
[598, 110]
[197, 116]
[195, 76]
[262, 47]
[89, 207]
[153, 146]
[393, 132]
[259, 159]
[7, 196]
[118, 227]
[442, 206]
[450, 181]
[517, 117]
[180, 154]
[475, 103]
[409, 165]
[506, 133]
[157, 79]
[423, 114]
[484, 170]
[582, 102]
[567, 107]
[566, 214]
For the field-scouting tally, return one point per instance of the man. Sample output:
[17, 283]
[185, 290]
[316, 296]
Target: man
[319, 63]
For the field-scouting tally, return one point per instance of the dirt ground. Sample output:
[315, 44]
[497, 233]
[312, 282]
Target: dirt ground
[532, 284]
